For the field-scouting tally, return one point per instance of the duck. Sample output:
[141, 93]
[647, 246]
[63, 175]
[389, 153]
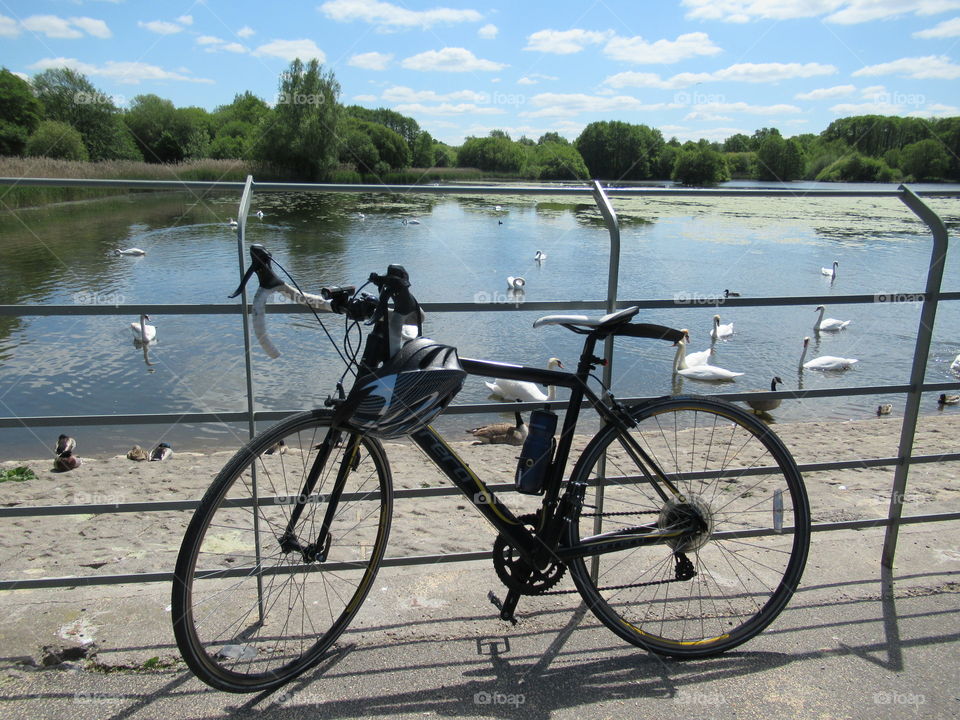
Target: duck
[515, 283]
[66, 461]
[720, 331]
[361, 216]
[759, 406]
[259, 214]
[730, 293]
[884, 409]
[540, 256]
[945, 399]
[705, 372]
[828, 324]
[143, 332]
[522, 390]
[825, 362]
[501, 433]
[233, 223]
[161, 452]
[138, 454]
[830, 272]
[278, 448]
[130, 251]
[65, 444]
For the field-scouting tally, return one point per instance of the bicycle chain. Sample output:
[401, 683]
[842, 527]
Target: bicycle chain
[539, 581]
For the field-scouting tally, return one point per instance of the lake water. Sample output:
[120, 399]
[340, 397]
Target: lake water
[462, 249]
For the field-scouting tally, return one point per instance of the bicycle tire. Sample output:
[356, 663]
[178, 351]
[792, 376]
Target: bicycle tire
[248, 625]
[740, 478]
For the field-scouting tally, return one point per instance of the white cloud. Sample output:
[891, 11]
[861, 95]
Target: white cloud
[844, 12]
[403, 94]
[706, 117]
[51, 26]
[570, 104]
[873, 90]
[128, 73]
[742, 107]
[451, 60]
[565, 42]
[371, 60]
[246, 31]
[637, 50]
[932, 67]
[185, 19]
[741, 72]
[389, 16]
[936, 110]
[534, 78]
[365, 98]
[448, 109]
[8, 27]
[92, 26]
[946, 29]
[209, 40]
[235, 48]
[867, 108]
[291, 50]
[22, 76]
[488, 31]
[161, 27]
[830, 93]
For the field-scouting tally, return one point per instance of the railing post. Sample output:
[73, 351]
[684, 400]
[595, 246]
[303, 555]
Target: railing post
[928, 314]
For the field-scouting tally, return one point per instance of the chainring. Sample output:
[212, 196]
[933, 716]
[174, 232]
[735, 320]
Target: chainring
[508, 564]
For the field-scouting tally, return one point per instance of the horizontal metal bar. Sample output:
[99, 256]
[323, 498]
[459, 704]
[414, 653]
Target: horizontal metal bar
[165, 577]
[126, 184]
[144, 419]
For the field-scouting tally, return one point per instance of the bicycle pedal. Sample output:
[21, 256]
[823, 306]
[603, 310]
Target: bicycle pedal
[505, 613]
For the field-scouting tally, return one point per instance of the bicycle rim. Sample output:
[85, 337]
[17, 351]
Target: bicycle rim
[249, 616]
[712, 587]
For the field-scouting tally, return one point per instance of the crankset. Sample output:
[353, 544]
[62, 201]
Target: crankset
[516, 573]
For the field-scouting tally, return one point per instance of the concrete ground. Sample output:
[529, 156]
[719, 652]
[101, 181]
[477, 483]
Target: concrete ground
[427, 644]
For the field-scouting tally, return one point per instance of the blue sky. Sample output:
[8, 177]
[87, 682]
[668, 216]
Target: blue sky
[692, 68]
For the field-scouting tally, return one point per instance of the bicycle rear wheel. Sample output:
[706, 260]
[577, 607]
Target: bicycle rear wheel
[249, 612]
[710, 588]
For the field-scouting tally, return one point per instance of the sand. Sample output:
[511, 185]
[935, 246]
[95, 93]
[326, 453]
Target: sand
[114, 543]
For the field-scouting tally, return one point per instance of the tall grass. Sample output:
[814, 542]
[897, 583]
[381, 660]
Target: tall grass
[13, 197]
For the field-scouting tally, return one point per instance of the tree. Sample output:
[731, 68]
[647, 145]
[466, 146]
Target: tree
[54, 139]
[925, 160]
[300, 137]
[20, 113]
[756, 140]
[552, 137]
[615, 150]
[699, 164]
[493, 154]
[779, 159]
[151, 121]
[737, 143]
[422, 155]
[855, 167]
[558, 161]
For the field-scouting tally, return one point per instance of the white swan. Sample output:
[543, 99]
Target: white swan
[540, 256]
[828, 324]
[411, 222]
[719, 331]
[260, 214]
[766, 405]
[699, 372]
[523, 391]
[143, 332]
[825, 362]
[955, 365]
[701, 357]
[830, 272]
[515, 283]
[131, 251]
[233, 223]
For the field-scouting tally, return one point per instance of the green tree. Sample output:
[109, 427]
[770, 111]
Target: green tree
[873, 135]
[552, 137]
[737, 144]
[925, 160]
[699, 164]
[779, 159]
[152, 122]
[300, 137]
[20, 113]
[558, 161]
[615, 150]
[55, 139]
[492, 154]
[947, 131]
[855, 167]
[422, 155]
[756, 140]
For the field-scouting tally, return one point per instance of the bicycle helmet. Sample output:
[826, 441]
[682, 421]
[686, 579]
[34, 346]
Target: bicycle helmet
[406, 392]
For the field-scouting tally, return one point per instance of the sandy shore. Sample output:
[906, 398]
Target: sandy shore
[112, 543]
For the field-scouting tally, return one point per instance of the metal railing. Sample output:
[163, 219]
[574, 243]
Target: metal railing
[913, 390]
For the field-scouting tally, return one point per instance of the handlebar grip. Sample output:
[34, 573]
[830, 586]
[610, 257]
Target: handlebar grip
[650, 331]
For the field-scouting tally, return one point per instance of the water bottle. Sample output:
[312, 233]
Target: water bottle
[537, 452]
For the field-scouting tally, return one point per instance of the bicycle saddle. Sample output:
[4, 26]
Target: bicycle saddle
[621, 316]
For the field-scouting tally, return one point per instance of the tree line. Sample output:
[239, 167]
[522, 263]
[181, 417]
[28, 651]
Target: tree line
[309, 135]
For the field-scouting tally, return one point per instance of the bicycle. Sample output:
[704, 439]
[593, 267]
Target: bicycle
[684, 522]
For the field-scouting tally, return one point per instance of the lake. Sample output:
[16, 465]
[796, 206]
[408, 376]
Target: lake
[462, 249]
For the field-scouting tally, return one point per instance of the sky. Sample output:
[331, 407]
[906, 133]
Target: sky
[692, 68]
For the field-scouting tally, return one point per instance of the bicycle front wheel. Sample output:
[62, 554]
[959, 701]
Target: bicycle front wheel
[744, 514]
[253, 605]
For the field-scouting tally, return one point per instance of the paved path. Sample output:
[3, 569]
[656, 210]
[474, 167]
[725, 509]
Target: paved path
[428, 645]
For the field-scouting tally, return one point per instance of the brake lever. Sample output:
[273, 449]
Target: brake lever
[260, 263]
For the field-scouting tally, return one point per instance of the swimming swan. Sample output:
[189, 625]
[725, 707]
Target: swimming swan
[523, 391]
[825, 362]
[830, 272]
[540, 256]
[720, 331]
[143, 332]
[131, 251]
[699, 372]
[515, 283]
[828, 324]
